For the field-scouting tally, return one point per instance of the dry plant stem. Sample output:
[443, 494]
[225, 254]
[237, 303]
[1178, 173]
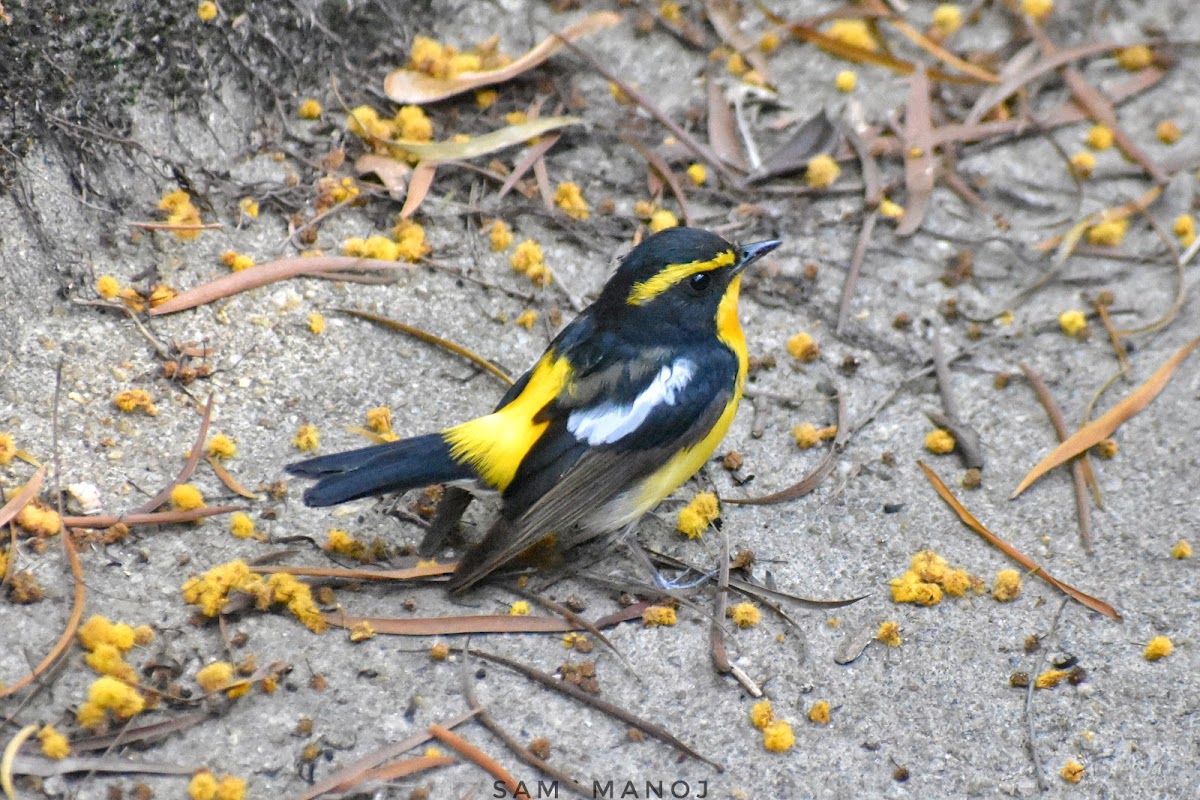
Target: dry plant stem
[155, 518]
[1038, 771]
[856, 262]
[158, 346]
[189, 466]
[45, 768]
[969, 447]
[1113, 336]
[22, 498]
[479, 758]
[968, 519]
[664, 170]
[811, 481]
[550, 682]
[579, 622]
[132, 735]
[424, 336]
[170, 226]
[349, 774]
[1080, 467]
[317, 220]
[919, 164]
[722, 137]
[716, 631]
[1176, 304]
[520, 751]
[526, 162]
[689, 141]
[68, 634]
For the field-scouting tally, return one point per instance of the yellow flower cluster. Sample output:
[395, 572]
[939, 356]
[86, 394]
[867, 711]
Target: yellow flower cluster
[1108, 233]
[808, 435]
[569, 198]
[410, 241]
[528, 260]
[219, 677]
[777, 734]
[180, 211]
[211, 591]
[889, 634]
[654, 616]
[822, 171]
[444, 61]
[1008, 585]
[205, 786]
[237, 261]
[939, 442]
[1073, 322]
[500, 236]
[131, 400]
[854, 32]
[696, 516]
[928, 575]
[54, 744]
[186, 497]
[744, 615]
[242, 527]
[39, 518]
[307, 438]
[107, 287]
[309, 109]
[803, 347]
[221, 447]
[342, 543]
[109, 694]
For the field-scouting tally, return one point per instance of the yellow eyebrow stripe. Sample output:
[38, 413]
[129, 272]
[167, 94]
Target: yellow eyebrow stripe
[672, 274]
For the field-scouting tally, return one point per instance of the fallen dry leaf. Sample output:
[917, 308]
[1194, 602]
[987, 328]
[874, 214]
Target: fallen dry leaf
[1103, 426]
[270, 272]
[411, 87]
[1016, 555]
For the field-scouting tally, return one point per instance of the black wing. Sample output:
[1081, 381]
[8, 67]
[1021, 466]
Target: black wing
[564, 479]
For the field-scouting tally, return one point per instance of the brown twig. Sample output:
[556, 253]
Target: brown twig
[966, 438]
[1080, 468]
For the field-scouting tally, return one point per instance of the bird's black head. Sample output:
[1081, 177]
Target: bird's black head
[679, 278]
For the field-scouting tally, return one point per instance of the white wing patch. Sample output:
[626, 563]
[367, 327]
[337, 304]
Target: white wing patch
[610, 422]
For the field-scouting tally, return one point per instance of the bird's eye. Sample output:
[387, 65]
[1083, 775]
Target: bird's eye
[700, 282]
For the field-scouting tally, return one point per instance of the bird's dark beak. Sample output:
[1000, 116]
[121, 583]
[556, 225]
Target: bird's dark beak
[749, 253]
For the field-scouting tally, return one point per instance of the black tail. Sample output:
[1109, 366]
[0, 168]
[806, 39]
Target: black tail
[392, 467]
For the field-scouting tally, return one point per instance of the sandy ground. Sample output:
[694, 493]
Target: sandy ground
[935, 717]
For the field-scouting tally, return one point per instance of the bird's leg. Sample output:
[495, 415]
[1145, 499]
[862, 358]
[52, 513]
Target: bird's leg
[660, 580]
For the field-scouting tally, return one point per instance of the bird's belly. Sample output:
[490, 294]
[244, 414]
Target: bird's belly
[632, 503]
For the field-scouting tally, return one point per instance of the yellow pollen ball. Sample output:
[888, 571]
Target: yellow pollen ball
[1007, 586]
[778, 737]
[1182, 549]
[1082, 164]
[947, 18]
[1072, 771]
[819, 713]
[307, 438]
[1037, 9]
[309, 109]
[658, 615]
[107, 287]
[1072, 322]
[939, 442]
[186, 497]
[745, 615]
[803, 347]
[1159, 647]
[1135, 58]
[846, 80]
[1168, 131]
[1108, 233]
[206, 11]
[889, 634]
[519, 609]
[822, 171]
[662, 219]
[761, 714]
[1100, 137]
[697, 174]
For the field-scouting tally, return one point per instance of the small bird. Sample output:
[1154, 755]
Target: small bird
[626, 404]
